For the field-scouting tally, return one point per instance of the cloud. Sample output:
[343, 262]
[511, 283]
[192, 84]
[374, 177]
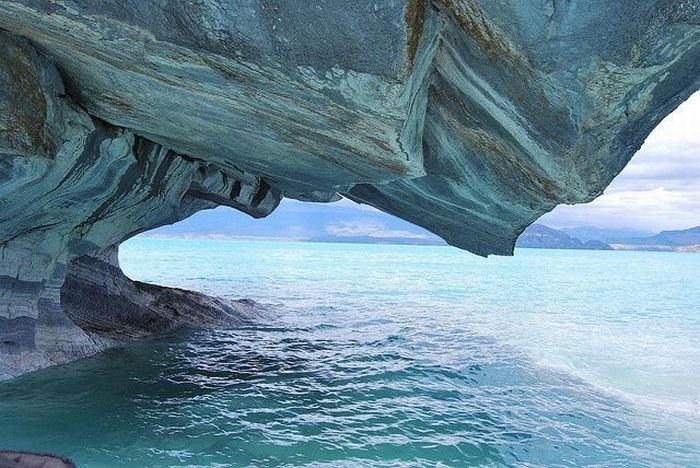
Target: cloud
[655, 209]
[677, 130]
[369, 228]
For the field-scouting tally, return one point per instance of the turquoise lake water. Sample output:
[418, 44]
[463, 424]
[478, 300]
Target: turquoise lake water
[389, 355]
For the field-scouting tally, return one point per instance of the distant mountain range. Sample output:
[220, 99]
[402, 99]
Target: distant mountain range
[357, 224]
[539, 236]
[607, 235]
[544, 237]
[686, 240]
[294, 221]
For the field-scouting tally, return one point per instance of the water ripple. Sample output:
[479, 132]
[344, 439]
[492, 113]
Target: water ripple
[280, 396]
[423, 360]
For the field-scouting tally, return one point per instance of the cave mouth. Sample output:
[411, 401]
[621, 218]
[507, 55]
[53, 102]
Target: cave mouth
[473, 135]
[666, 165]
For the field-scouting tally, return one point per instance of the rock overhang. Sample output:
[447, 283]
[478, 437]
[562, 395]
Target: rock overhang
[466, 117]
[246, 87]
[482, 115]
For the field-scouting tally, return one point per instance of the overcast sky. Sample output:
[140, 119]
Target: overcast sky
[659, 189]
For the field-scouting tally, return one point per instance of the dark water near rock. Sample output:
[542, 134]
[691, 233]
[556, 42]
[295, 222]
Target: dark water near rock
[381, 378]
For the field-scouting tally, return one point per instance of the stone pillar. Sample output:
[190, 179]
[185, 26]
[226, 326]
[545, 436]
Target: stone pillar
[34, 330]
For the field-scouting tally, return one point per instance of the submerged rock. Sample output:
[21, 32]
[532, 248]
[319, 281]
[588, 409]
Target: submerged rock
[33, 460]
[466, 117]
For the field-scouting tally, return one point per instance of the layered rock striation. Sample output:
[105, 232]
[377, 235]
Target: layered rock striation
[467, 117]
[73, 188]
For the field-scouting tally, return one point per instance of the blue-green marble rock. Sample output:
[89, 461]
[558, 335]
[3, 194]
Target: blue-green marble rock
[470, 118]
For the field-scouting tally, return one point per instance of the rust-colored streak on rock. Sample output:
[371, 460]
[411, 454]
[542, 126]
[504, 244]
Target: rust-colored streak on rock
[415, 17]
[25, 121]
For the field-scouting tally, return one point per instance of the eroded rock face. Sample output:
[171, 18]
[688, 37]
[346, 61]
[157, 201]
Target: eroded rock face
[74, 186]
[102, 301]
[470, 118]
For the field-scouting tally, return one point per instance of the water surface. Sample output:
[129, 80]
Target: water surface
[390, 355]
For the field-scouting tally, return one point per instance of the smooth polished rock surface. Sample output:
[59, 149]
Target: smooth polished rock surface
[33, 460]
[470, 118]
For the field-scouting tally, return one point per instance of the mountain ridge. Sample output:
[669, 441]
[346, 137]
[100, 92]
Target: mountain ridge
[349, 224]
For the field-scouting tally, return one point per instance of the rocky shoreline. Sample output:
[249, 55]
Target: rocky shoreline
[104, 308]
